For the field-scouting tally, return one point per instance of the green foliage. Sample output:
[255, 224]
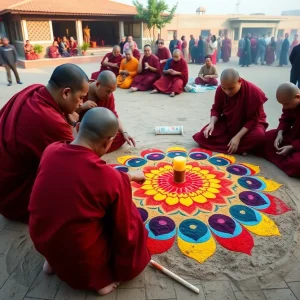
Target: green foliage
[84, 46]
[156, 14]
[38, 48]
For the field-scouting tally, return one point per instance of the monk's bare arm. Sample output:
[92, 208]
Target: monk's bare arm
[242, 132]
[152, 69]
[213, 120]
[106, 63]
[140, 65]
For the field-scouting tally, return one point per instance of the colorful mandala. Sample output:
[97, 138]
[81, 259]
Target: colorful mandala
[220, 202]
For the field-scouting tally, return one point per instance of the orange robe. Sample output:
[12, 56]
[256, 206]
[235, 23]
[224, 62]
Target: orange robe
[83, 219]
[130, 66]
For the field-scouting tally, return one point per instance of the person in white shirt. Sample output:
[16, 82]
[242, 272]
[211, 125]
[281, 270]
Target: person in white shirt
[268, 39]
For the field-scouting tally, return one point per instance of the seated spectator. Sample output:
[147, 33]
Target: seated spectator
[73, 47]
[208, 74]
[53, 51]
[29, 51]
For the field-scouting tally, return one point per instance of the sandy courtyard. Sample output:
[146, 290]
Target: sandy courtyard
[273, 270]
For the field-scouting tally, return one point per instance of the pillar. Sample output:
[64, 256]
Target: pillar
[240, 31]
[121, 29]
[79, 32]
[24, 30]
[142, 35]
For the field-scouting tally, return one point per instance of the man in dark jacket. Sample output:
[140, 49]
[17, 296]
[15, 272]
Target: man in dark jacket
[295, 61]
[8, 58]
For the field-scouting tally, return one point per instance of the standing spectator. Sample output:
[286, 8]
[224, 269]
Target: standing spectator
[122, 44]
[201, 50]
[174, 44]
[212, 49]
[283, 60]
[270, 54]
[8, 58]
[226, 49]
[294, 43]
[261, 52]
[184, 48]
[278, 47]
[253, 42]
[295, 61]
[87, 34]
[192, 43]
[246, 56]
[241, 49]
[219, 47]
[127, 44]
[268, 39]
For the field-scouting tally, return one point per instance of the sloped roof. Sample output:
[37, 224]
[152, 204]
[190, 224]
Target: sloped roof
[68, 7]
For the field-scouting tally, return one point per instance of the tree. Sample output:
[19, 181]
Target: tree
[156, 14]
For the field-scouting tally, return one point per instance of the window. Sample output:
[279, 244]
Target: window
[280, 33]
[17, 30]
[171, 34]
[205, 33]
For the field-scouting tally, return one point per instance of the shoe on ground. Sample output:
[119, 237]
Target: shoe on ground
[9, 84]
[19, 82]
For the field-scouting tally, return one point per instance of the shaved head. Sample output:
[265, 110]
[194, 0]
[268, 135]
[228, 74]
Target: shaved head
[230, 82]
[107, 78]
[288, 95]
[116, 48]
[231, 75]
[68, 76]
[98, 124]
[176, 55]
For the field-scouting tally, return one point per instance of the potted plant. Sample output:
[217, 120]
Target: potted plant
[84, 47]
[38, 49]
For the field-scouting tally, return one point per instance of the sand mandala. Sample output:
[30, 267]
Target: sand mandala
[220, 202]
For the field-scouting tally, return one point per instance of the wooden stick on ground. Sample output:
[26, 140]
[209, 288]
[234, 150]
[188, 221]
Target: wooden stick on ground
[174, 276]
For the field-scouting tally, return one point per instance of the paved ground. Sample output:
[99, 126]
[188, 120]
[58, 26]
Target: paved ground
[20, 265]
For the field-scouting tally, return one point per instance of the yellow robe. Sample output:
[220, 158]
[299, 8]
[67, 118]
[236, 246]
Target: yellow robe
[130, 66]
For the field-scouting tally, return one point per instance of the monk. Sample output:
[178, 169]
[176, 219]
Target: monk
[135, 51]
[175, 76]
[101, 94]
[148, 71]
[111, 61]
[282, 145]
[83, 219]
[128, 70]
[29, 122]
[238, 121]
[208, 74]
[163, 54]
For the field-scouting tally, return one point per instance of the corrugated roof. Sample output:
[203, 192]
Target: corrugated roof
[78, 7]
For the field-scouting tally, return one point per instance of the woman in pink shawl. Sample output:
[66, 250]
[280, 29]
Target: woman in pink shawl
[148, 71]
[175, 76]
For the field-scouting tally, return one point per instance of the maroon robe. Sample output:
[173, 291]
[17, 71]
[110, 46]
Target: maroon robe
[83, 219]
[144, 81]
[29, 122]
[290, 124]
[168, 84]
[244, 109]
[226, 50]
[163, 54]
[111, 59]
[136, 53]
[109, 104]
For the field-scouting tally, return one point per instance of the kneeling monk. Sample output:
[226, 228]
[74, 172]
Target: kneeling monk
[83, 219]
[101, 94]
[111, 61]
[175, 76]
[148, 71]
[33, 119]
[128, 70]
[238, 121]
[282, 146]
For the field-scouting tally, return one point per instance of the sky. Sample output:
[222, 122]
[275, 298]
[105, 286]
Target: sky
[213, 7]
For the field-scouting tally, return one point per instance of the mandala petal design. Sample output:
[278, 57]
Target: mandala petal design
[264, 202]
[258, 183]
[176, 151]
[153, 154]
[222, 160]
[132, 161]
[200, 154]
[271, 185]
[195, 240]
[120, 168]
[161, 234]
[143, 213]
[230, 234]
[254, 221]
[242, 169]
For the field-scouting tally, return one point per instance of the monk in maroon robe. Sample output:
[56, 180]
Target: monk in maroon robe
[163, 54]
[101, 94]
[83, 219]
[111, 62]
[148, 71]
[135, 52]
[238, 121]
[29, 122]
[175, 76]
[282, 145]
[226, 48]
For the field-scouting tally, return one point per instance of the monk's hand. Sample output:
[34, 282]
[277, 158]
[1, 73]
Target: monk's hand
[137, 176]
[233, 144]
[285, 150]
[278, 140]
[88, 105]
[208, 130]
[129, 139]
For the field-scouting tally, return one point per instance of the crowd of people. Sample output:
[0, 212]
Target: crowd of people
[53, 137]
